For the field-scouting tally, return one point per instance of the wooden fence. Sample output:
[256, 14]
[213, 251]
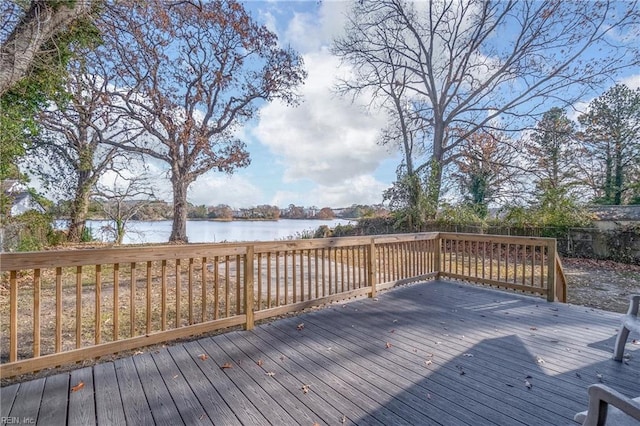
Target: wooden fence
[61, 307]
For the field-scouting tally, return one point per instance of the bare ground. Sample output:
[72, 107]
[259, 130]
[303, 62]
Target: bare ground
[601, 284]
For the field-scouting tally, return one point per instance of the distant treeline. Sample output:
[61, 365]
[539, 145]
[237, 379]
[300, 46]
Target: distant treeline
[162, 210]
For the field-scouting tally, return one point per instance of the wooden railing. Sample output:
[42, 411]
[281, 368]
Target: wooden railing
[60, 307]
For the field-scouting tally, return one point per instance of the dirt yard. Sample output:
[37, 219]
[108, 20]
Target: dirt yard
[601, 284]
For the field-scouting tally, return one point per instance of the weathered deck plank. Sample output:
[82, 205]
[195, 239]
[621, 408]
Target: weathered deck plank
[53, 408]
[82, 409]
[109, 406]
[136, 407]
[27, 401]
[397, 359]
[162, 406]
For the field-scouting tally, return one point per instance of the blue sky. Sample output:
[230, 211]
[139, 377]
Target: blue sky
[322, 152]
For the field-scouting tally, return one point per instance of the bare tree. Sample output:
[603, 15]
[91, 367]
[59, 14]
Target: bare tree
[24, 32]
[472, 65]
[190, 75]
[71, 153]
[123, 200]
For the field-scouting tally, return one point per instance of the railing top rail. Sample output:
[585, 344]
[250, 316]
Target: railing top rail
[66, 258]
[510, 239]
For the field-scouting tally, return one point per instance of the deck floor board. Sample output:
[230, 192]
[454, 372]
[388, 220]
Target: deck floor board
[396, 359]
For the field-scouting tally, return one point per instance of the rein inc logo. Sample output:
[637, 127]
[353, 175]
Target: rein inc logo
[17, 421]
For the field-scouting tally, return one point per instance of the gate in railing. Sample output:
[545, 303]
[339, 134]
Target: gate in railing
[61, 307]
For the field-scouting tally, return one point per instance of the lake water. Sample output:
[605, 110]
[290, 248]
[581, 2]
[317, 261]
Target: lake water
[213, 231]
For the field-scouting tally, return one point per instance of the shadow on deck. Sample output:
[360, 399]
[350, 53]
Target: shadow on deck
[431, 353]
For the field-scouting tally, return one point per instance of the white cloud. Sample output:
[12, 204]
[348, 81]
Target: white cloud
[326, 139]
[212, 189]
[632, 81]
[363, 189]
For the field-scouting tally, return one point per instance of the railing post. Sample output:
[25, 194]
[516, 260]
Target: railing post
[436, 256]
[372, 267]
[248, 288]
[561, 281]
[551, 271]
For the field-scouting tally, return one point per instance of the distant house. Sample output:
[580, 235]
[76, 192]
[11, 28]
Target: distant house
[612, 217]
[21, 200]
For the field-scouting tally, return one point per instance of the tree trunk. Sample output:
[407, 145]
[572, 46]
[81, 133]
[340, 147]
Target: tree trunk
[43, 20]
[179, 227]
[619, 174]
[79, 210]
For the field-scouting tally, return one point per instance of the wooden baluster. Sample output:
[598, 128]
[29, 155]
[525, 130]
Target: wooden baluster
[58, 344]
[163, 296]
[203, 297]
[227, 288]
[269, 278]
[36, 312]
[98, 313]
[116, 301]
[149, 291]
[239, 285]
[248, 288]
[294, 271]
[78, 307]
[132, 301]
[259, 281]
[277, 278]
[13, 314]
[286, 278]
[190, 291]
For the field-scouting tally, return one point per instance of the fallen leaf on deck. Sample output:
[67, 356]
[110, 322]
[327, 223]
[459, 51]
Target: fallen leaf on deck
[528, 384]
[344, 419]
[528, 377]
[226, 365]
[533, 328]
[387, 345]
[176, 376]
[430, 355]
[316, 424]
[300, 326]
[282, 357]
[270, 373]
[305, 389]
[578, 376]
[203, 356]
[635, 342]
[392, 331]
[77, 387]
[428, 396]
[539, 360]
[395, 321]
[460, 370]
[468, 355]
[260, 362]
[509, 385]
[428, 362]
[138, 353]
[600, 377]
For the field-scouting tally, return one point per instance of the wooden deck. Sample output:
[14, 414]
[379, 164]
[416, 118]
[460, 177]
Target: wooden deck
[433, 353]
